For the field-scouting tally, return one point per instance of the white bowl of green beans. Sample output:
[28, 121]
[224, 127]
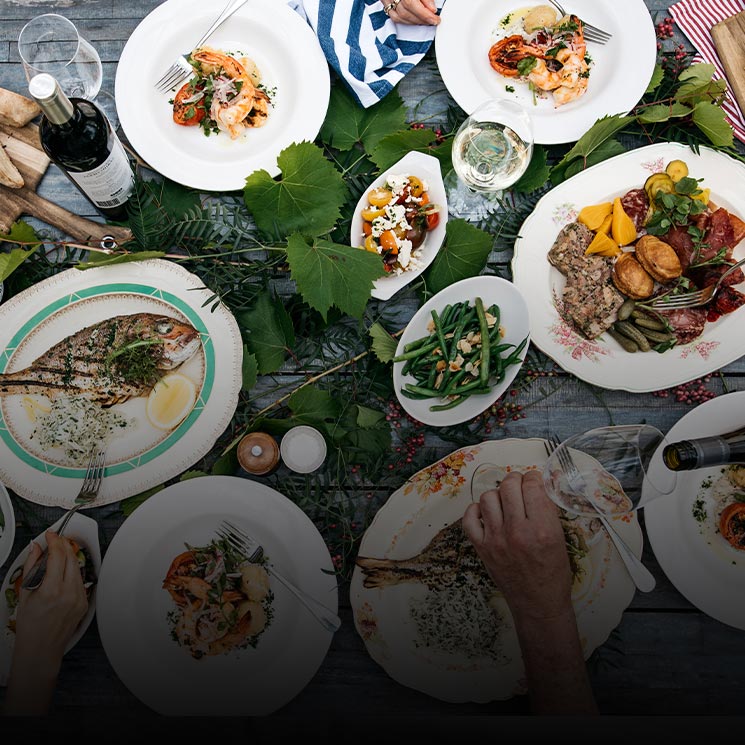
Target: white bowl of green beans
[442, 373]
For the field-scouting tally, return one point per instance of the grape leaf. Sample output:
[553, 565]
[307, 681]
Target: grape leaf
[20, 232]
[270, 332]
[329, 274]
[602, 130]
[311, 405]
[97, 259]
[307, 198]
[368, 418]
[383, 344]
[226, 465]
[464, 255]
[608, 149]
[250, 369]
[536, 174]
[663, 112]
[394, 146]
[347, 123]
[710, 119]
[658, 75]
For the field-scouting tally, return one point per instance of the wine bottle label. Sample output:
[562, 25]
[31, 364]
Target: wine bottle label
[711, 451]
[111, 183]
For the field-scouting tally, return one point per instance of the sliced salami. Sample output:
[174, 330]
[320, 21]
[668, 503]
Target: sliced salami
[686, 323]
[682, 244]
[636, 205]
[719, 234]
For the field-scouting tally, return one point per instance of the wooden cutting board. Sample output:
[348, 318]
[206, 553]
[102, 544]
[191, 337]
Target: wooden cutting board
[729, 39]
[22, 145]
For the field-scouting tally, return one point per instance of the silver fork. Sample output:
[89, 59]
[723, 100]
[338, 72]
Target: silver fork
[255, 552]
[88, 492]
[181, 69]
[641, 576]
[592, 33]
[695, 298]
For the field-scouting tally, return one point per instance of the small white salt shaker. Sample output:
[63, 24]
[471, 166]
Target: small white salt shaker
[303, 449]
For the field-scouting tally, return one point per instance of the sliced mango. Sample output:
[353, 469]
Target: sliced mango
[623, 229]
[605, 227]
[593, 215]
[603, 245]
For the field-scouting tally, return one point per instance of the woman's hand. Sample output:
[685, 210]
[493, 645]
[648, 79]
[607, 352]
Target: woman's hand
[517, 533]
[46, 620]
[414, 12]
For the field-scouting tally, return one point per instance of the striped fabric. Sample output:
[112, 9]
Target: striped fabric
[367, 49]
[695, 19]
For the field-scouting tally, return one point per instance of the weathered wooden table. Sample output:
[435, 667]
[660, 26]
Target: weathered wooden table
[666, 657]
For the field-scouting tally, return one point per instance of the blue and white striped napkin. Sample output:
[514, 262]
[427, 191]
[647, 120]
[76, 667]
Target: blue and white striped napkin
[367, 49]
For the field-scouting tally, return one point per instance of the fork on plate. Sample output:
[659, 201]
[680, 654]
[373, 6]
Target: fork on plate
[592, 33]
[254, 552]
[181, 69]
[695, 298]
[88, 492]
[641, 576]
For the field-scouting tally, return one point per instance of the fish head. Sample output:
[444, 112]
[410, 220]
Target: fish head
[180, 340]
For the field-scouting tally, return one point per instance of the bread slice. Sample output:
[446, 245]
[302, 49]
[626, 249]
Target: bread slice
[9, 174]
[16, 110]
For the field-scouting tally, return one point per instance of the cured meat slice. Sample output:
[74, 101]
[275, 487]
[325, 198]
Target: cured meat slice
[636, 205]
[728, 299]
[682, 244]
[709, 275]
[685, 323]
[719, 234]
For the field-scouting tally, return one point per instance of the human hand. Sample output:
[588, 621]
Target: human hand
[517, 533]
[48, 616]
[413, 12]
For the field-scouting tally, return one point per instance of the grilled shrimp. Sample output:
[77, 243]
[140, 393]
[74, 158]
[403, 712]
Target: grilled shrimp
[574, 77]
[543, 77]
[228, 112]
[505, 55]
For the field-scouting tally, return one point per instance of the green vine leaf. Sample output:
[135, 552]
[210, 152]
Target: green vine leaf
[464, 255]
[383, 344]
[307, 198]
[600, 132]
[536, 174]
[348, 124]
[270, 333]
[226, 465]
[311, 405]
[250, 369]
[368, 418]
[662, 112]
[658, 75]
[609, 149]
[329, 274]
[393, 147]
[20, 232]
[710, 119]
[96, 260]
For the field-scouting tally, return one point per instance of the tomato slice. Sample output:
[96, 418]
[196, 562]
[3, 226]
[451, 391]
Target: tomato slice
[732, 525]
[187, 114]
[433, 220]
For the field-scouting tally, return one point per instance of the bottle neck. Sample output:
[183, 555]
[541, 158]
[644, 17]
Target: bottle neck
[56, 106]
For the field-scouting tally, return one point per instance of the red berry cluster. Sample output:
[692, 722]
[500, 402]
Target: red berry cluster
[664, 29]
[411, 442]
[500, 412]
[440, 137]
[694, 392]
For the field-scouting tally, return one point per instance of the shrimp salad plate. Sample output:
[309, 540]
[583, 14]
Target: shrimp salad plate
[260, 84]
[123, 358]
[192, 626]
[524, 52]
[423, 603]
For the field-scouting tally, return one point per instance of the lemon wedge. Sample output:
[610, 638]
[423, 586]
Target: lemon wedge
[170, 401]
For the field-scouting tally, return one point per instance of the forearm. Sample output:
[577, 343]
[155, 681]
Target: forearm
[555, 666]
[31, 685]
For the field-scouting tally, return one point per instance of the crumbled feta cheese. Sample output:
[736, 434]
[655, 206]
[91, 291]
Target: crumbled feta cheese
[404, 253]
[397, 181]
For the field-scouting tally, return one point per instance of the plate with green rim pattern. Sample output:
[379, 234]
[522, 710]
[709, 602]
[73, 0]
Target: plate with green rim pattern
[141, 455]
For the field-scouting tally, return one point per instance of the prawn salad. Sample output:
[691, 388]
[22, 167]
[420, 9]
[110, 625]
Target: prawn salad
[535, 46]
[396, 221]
[226, 94]
[223, 601]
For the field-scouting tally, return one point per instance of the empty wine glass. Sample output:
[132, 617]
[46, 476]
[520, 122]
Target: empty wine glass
[486, 476]
[52, 44]
[607, 470]
[491, 151]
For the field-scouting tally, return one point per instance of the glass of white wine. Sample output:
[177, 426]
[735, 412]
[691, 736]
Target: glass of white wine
[491, 151]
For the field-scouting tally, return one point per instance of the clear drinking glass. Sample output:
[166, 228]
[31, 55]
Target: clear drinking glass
[607, 470]
[491, 151]
[51, 43]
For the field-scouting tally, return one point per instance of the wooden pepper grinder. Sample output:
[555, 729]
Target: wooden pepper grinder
[258, 453]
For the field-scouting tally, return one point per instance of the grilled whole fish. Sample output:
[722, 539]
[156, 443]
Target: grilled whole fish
[444, 561]
[81, 364]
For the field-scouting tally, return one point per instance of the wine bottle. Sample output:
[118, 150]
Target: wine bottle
[706, 451]
[77, 136]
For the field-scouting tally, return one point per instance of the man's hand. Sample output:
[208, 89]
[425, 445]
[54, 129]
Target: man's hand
[415, 12]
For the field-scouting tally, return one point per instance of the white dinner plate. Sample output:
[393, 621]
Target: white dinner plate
[602, 361]
[8, 529]
[620, 73]
[697, 560]
[133, 606]
[84, 531]
[513, 320]
[427, 168]
[286, 52]
[142, 456]
[428, 501]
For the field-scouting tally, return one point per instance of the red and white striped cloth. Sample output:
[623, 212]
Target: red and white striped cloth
[695, 19]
